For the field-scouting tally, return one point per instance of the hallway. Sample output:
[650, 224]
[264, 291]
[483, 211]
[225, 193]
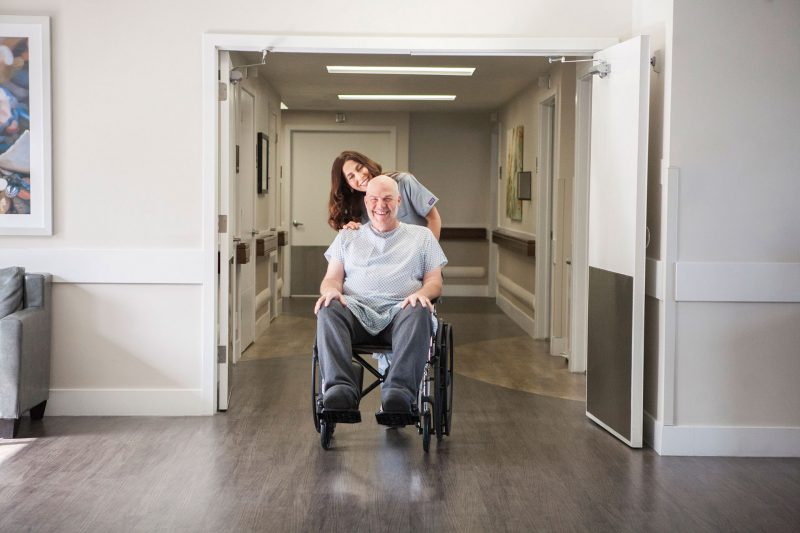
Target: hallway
[522, 457]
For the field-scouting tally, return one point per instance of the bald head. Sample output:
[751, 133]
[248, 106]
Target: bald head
[383, 183]
[382, 201]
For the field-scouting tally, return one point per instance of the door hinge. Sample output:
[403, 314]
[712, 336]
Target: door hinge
[237, 158]
[222, 354]
[222, 224]
[222, 94]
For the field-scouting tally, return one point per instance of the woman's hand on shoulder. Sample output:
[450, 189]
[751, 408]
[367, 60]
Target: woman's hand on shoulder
[351, 225]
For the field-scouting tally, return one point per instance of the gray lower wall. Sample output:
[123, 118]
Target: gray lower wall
[308, 269]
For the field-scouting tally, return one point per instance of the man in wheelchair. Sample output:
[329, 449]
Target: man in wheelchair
[378, 289]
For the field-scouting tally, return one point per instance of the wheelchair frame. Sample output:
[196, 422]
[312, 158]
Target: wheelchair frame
[434, 410]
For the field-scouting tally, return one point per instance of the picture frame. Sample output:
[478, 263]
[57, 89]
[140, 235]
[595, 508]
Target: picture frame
[262, 163]
[26, 196]
[524, 185]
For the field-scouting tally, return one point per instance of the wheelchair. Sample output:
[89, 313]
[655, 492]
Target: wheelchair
[433, 413]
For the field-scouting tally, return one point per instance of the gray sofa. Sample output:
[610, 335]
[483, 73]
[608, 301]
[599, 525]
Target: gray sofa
[24, 346]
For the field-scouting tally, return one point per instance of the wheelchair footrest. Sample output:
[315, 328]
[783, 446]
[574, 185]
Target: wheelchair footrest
[397, 419]
[341, 416]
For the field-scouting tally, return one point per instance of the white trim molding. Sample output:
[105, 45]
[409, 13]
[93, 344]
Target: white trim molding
[128, 402]
[213, 43]
[654, 278]
[465, 290]
[516, 314]
[737, 282]
[67, 265]
[523, 294]
[723, 441]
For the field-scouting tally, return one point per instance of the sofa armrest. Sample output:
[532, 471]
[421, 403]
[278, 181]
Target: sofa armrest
[24, 360]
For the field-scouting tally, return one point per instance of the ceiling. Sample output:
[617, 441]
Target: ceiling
[304, 84]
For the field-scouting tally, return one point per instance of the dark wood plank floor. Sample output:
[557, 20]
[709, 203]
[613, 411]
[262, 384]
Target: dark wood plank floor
[516, 461]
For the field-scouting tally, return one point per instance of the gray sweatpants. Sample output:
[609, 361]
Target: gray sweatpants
[409, 335]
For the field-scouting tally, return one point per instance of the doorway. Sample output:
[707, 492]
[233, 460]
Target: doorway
[476, 46]
[311, 152]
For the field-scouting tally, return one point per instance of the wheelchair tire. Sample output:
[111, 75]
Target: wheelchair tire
[447, 355]
[438, 398]
[426, 431]
[325, 434]
[315, 388]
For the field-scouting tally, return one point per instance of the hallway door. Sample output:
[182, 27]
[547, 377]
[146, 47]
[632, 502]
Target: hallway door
[226, 212]
[245, 222]
[617, 203]
[312, 154]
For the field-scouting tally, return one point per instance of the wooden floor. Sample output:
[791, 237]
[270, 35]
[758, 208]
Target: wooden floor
[516, 461]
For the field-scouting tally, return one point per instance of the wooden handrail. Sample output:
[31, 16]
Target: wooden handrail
[512, 242]
[463, 234]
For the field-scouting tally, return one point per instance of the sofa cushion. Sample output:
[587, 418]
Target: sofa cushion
[11, 280]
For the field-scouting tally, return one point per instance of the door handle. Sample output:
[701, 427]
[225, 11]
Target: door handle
[296, 224]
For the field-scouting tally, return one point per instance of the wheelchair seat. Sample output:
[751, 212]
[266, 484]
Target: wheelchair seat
[433, 410]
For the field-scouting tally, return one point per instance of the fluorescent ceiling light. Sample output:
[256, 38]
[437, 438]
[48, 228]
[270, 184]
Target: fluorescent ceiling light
[284, 106]
[418, 71]
[439, 97]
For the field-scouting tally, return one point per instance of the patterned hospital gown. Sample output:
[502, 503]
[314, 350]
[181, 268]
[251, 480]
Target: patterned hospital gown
[381, 270]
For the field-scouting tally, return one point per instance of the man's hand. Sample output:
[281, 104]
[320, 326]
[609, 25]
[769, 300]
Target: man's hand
[352, 225]
[414, 298]
[327, 298]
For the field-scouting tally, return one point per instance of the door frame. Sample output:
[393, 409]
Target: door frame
[213, 43]
[579, 308]
[548, 138]
[288, 135]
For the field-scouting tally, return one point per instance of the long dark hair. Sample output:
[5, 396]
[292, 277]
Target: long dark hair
[345, 203]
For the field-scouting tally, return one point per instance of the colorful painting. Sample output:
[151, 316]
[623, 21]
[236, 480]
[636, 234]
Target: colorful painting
[514, 146]
[25, 205]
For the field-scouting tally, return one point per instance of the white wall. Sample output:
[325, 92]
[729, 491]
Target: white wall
[734, 142]
[450, 155]
[127, 159]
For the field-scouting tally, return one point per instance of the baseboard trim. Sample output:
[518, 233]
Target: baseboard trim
[559, 346]
[516, 314]
[127, 402]
[722, 441]
[465, 290]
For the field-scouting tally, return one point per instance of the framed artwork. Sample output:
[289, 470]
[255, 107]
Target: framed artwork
[524, 185]
[262, 163]
[514, 147]
[26, 200]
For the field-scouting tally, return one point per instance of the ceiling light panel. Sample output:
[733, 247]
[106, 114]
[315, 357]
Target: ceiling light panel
[412, 71]
[435, 97]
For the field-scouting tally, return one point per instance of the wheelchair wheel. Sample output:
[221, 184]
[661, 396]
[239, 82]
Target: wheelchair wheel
[315, 389]
[426, 431]
[447, 382]
[325, 434]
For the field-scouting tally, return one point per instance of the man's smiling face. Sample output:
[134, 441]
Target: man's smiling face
[382, 202]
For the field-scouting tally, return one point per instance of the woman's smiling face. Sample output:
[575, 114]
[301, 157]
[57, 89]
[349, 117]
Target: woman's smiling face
[356, 175]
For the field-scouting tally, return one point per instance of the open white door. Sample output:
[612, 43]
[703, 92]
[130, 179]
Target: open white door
[617, 203]
[226, 195]
[245, 221]
[312, 153]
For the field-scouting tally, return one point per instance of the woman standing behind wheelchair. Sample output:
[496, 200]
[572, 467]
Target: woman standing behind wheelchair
[350, 174]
